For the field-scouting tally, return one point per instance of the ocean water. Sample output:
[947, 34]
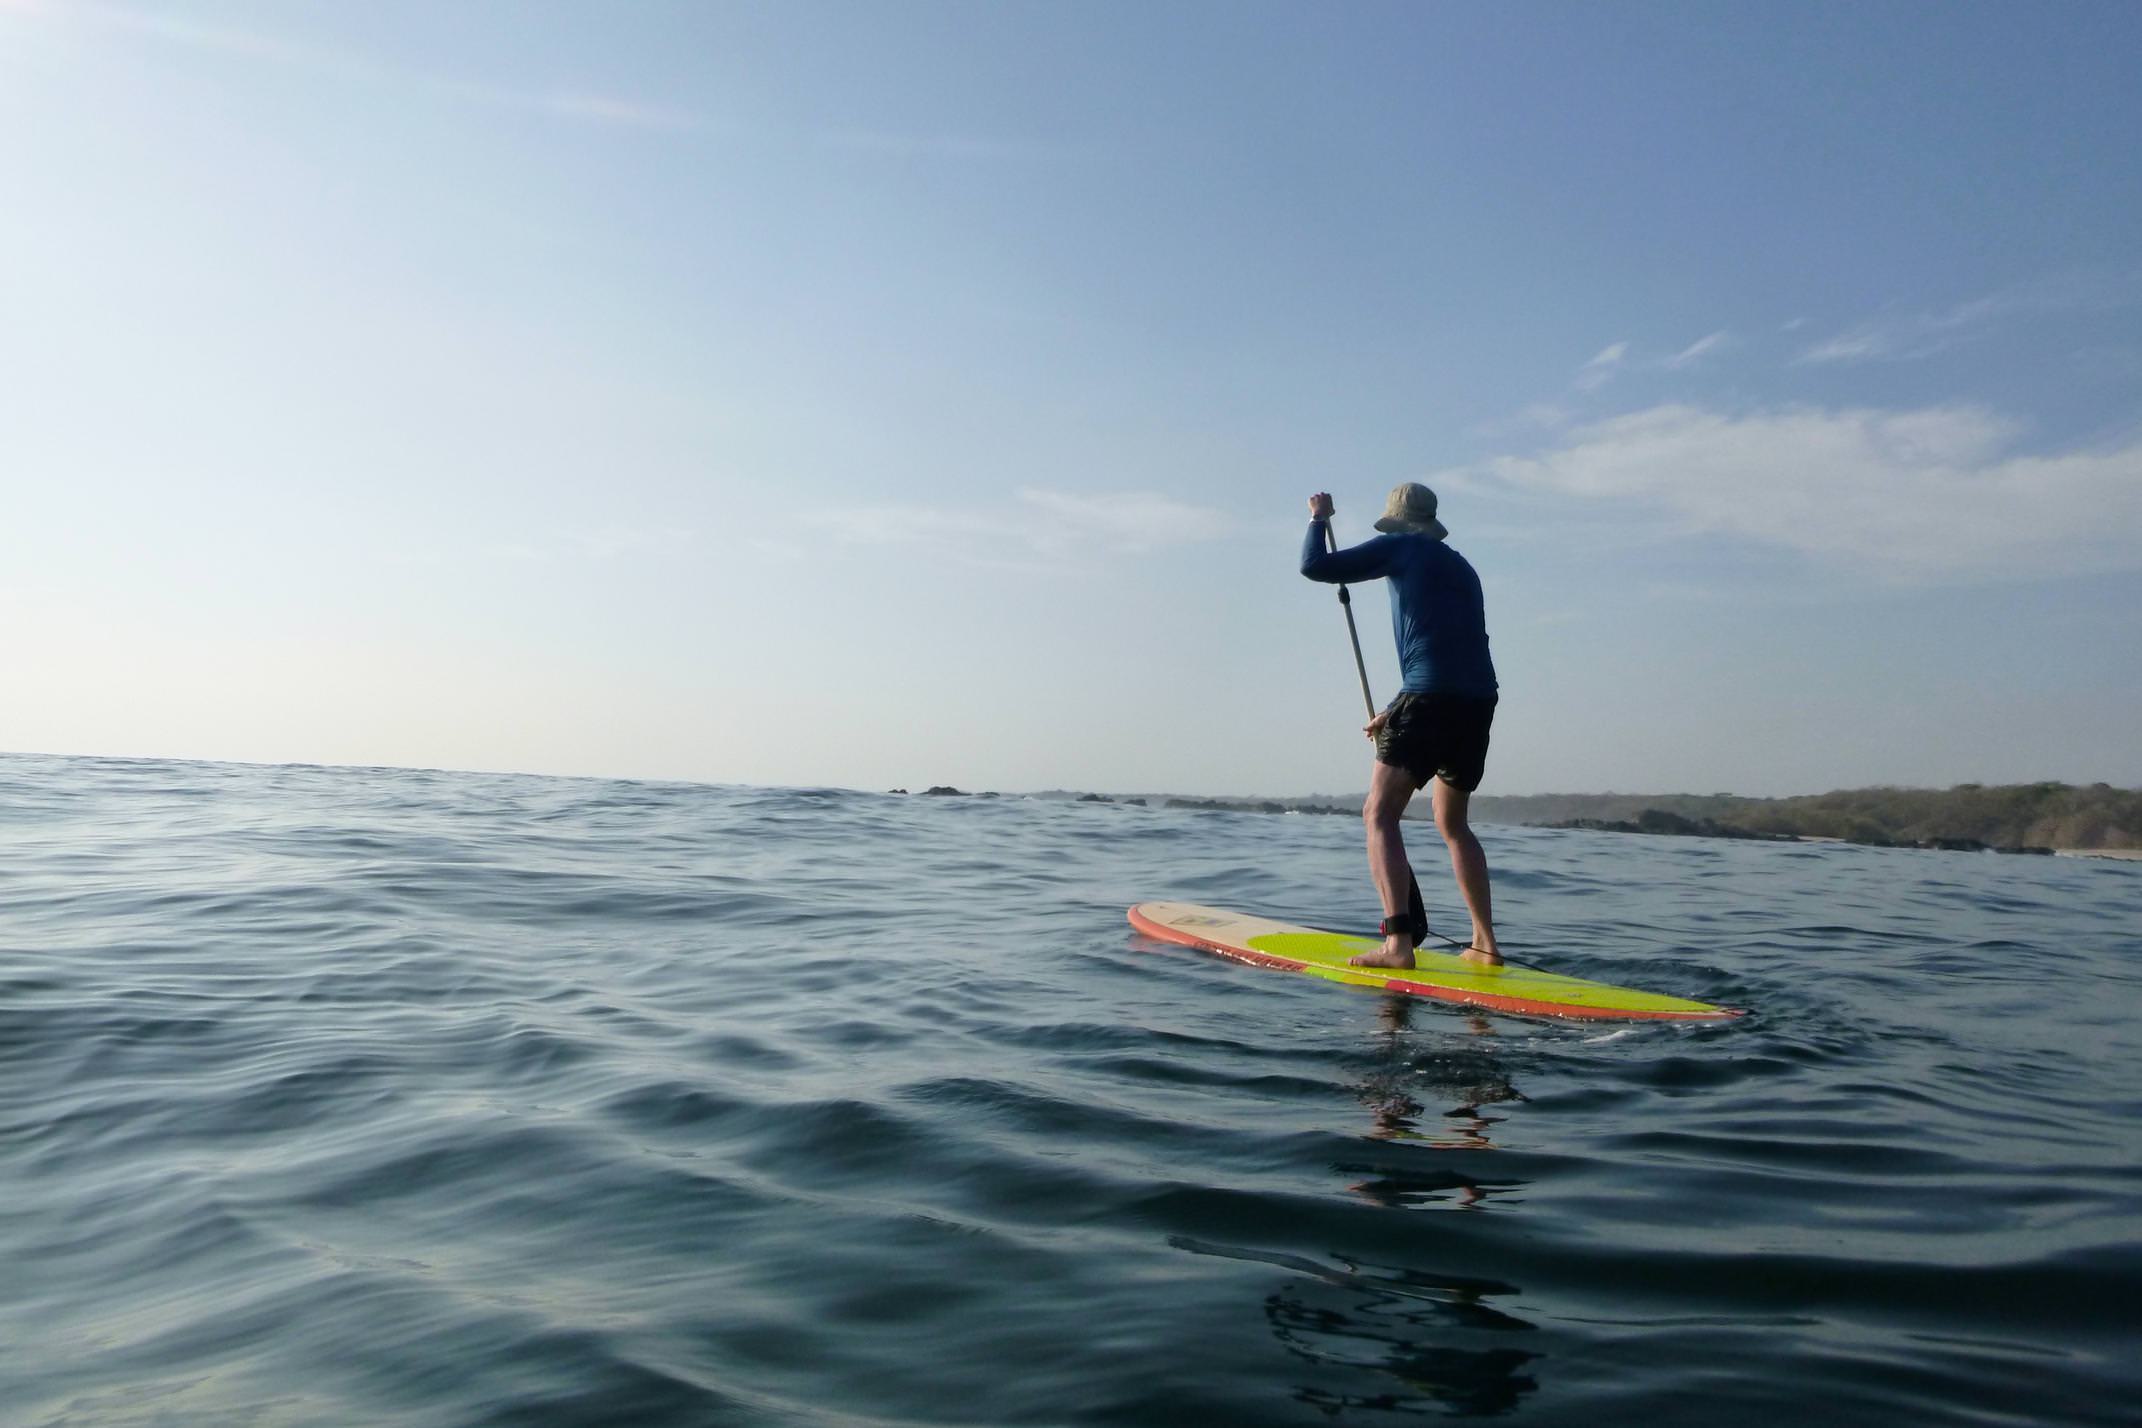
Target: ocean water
[355, 1096]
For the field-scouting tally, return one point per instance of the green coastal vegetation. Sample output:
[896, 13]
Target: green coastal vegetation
[2023, 817]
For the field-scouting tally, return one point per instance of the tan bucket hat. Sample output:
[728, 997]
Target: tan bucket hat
[1411, 511]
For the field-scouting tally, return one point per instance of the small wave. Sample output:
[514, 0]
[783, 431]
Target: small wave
[364, 1095]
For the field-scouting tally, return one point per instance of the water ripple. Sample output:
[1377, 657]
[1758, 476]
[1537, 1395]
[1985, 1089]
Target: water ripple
[373, 1096]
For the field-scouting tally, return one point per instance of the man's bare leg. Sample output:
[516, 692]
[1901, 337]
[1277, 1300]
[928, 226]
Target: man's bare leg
[1390, 790]
[1470, 864]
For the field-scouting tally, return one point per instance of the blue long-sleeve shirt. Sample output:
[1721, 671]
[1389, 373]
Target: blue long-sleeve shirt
[1437, 613]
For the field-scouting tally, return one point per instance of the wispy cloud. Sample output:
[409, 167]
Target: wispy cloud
[893, 144]
[600, 109]
[1904, 336]
[1530, 419]
[1038, 521]
[1857, 345]
[576, 105]
[615, 542]
[1701, 348]
[599, 544]
[1601, 369]
[1928, 495]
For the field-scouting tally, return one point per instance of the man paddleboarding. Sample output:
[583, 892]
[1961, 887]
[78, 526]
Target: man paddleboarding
[1437, 727]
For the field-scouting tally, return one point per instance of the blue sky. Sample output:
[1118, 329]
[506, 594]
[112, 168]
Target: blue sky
[887, 394]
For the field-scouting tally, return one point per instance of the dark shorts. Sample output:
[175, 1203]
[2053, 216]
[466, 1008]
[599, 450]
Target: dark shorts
[1441, 736]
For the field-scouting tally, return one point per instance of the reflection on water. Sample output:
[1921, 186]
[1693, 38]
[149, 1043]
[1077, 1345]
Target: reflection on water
[1464, 1074]
[1416, 1326]
[1395, 1321]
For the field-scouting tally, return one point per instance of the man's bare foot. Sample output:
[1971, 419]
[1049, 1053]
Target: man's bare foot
[1488, 955]
[1395, 954]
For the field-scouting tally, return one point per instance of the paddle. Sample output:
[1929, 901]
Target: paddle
[1415, 908]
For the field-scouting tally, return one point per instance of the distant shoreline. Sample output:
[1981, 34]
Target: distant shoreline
[2092, 820]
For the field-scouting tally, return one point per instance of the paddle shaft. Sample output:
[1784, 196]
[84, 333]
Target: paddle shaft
[1346, 603]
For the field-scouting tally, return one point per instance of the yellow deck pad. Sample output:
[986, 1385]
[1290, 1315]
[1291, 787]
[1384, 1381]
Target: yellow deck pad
[1441, 975]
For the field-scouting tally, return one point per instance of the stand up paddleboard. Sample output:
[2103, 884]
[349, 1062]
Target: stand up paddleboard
[1265, 943]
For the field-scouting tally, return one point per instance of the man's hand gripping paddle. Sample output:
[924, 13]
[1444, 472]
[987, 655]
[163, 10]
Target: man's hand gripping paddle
[1415, 908]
